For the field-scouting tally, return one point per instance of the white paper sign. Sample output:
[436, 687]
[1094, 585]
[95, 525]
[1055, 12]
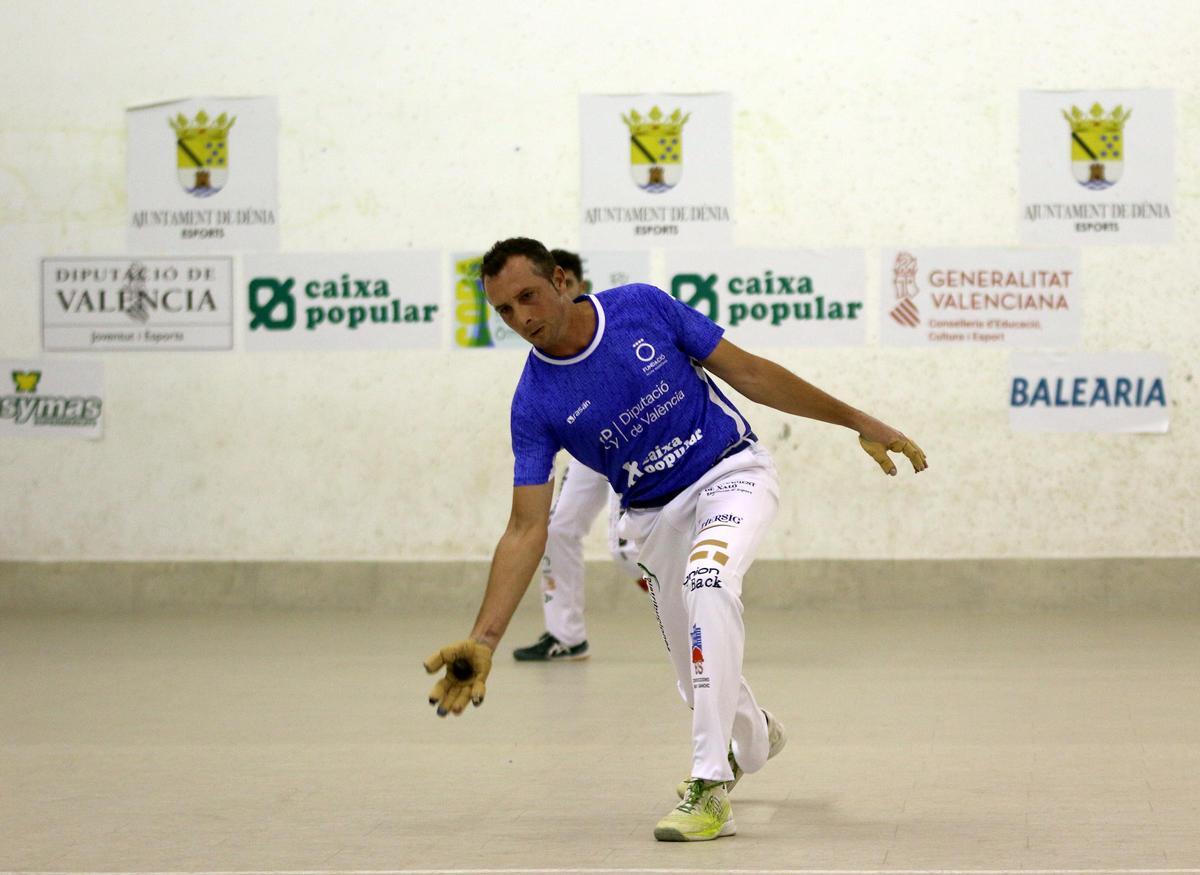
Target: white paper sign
[51, 397]
[203, 175]
[776, 297]
[478, 326]
[137, 303]
[1089, 392]
[343, 301]
[980, 297]
[1097, 166]
[607, 270]
[657, 170]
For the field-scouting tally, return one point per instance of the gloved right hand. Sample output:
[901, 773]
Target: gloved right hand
[878, 450]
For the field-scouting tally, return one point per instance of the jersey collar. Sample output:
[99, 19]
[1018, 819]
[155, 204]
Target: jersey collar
[580, 356]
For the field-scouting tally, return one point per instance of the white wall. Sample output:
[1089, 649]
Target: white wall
[448, 126]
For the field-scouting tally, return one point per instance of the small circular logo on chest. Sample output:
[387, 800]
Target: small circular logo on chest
[643, 351]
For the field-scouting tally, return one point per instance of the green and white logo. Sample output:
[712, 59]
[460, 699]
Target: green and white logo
[781, 299]
[331, 302]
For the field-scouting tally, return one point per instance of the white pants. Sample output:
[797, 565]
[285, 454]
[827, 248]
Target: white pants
[581, 496]
[695, 551]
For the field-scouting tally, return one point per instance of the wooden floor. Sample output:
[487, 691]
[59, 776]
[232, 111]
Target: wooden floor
[275, 742]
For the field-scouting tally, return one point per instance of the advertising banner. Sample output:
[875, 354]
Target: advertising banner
[776, 297]
[980, 297]
[607, 270]
[203, 175]
[183, 303]
[1089, 392]
[657, 170]
[51, 398]
[1097, 166]
[352, 300]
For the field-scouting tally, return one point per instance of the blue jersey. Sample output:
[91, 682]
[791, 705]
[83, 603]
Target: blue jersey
[634, 405]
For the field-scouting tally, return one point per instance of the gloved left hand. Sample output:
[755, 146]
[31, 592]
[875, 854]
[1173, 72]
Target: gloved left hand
[468, 664]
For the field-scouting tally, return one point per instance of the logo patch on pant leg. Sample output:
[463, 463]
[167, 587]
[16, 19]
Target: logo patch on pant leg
[707, 577]
[652, 588]
[714, 551]
[699, 682]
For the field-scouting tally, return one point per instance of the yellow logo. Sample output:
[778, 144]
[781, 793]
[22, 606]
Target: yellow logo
[202, 152]
[471, 327]
[1097, 145]
[26, 381]
[656, 148]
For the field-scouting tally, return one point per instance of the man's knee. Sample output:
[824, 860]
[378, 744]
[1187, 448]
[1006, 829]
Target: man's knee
[707, 582]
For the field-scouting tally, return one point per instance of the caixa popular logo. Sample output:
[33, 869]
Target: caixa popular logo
[202, 152]
[344, 301]
[656, 149]
[768, 298]
[1097, 145]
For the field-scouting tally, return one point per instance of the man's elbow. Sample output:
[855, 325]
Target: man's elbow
[752, 382]
[531, 535]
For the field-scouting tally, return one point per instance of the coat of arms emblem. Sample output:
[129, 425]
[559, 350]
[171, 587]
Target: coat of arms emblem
[202, 152]
[904, 281]
[1097, 145]
[656, 148]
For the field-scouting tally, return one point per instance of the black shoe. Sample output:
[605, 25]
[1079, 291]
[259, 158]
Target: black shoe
[550, 649]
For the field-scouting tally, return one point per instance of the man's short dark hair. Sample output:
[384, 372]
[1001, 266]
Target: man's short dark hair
[568, 261]
[539, 257]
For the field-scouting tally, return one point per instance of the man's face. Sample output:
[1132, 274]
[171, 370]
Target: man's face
[531, 305]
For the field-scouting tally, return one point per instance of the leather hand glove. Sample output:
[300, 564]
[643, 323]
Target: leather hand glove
[467, 665]
[879, 452]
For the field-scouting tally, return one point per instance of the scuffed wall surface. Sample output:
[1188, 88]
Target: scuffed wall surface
[866, 125]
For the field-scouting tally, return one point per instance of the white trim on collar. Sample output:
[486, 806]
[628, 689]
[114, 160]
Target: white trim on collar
[551, 360]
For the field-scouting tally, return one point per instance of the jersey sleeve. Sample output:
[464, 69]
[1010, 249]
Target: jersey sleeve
[695, 333]
[533, 444]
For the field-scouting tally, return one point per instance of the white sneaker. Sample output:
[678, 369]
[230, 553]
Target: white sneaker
[704, 814]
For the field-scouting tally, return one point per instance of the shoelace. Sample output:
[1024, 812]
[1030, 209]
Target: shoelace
[695, 790]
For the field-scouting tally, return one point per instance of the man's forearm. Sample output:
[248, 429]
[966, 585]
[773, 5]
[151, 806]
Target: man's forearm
[776, 386]
[513, 565]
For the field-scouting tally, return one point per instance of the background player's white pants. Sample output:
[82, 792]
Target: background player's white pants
[696, 550]
[581, 497]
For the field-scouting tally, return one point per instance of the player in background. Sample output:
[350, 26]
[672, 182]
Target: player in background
[582, 494]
